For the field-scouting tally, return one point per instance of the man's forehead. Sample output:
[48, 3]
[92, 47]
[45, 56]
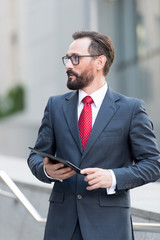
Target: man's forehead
[79, 46]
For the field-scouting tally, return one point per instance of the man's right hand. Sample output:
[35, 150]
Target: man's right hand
[57, 171]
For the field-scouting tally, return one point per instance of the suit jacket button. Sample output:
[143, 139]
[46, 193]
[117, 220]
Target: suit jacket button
[79, 196]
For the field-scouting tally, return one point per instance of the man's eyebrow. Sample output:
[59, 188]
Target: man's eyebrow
[72, 54]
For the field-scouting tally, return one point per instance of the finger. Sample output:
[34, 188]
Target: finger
[54, 169]
[66, 175]
[95, 186]
[57, 166]
[99, 183]
[46, 160]
[88, 170]
[93, 181]
[62, 172]
[90, 176]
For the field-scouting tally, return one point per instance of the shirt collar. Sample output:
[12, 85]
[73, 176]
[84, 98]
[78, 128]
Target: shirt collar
[97, 96]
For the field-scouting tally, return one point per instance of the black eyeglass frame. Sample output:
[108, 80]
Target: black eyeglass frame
[78, 56]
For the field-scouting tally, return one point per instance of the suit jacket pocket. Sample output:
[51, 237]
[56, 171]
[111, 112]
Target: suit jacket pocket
[120, 200]
[112, 132]
[57, 197]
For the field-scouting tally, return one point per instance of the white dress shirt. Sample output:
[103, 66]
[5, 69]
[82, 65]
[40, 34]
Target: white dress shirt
[97, 97]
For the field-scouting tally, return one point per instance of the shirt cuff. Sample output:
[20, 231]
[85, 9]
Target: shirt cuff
[112, 189]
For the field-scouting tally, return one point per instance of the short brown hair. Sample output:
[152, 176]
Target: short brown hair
[100, 44]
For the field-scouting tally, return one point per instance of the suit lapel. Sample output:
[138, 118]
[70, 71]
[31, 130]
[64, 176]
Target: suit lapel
[105, 114]
[70, 112]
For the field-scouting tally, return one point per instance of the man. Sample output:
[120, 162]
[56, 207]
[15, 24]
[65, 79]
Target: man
[107, 135]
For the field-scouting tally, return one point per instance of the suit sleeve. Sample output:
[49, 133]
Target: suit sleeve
[45, 142]
[144, 151]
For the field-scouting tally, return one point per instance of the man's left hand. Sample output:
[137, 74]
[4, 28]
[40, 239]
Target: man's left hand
[97, 178]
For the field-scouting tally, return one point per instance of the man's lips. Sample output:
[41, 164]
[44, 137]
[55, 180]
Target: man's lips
[70, 73]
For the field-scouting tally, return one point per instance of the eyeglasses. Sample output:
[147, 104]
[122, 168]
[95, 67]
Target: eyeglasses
[75, 58]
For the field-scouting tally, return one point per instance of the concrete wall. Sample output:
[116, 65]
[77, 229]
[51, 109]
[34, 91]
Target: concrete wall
[145, 235]
[15, 221]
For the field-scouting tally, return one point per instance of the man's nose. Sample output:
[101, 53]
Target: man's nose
[69, 64]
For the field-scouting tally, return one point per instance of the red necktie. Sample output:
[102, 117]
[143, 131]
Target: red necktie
[85, 121]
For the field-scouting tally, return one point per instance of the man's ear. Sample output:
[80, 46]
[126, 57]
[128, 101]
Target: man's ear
[101, 60]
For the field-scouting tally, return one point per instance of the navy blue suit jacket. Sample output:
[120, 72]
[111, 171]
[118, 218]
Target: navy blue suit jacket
[122, 139]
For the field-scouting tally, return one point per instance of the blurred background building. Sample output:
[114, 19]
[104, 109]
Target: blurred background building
[34, 35]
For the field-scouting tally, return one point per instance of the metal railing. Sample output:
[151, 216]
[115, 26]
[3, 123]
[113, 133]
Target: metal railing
[147, 227]
[18, 195]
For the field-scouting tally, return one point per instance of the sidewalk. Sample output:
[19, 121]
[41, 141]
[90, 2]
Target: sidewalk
[144, 199]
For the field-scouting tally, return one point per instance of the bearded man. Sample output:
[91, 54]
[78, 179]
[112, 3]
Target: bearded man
[107, 135]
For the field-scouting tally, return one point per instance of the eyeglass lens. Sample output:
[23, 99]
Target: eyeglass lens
[74, 59]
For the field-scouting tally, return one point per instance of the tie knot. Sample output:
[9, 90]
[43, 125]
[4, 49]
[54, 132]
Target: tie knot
[87, 99]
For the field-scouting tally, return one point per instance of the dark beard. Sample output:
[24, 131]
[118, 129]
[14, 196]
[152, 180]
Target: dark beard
[80, 82]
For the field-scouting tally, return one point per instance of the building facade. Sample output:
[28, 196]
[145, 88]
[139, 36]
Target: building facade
[36, 34]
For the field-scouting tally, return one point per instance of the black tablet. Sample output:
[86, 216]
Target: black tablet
[55, 159]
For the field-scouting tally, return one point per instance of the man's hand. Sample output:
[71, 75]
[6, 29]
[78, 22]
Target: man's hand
[57, 171]
[97, 178]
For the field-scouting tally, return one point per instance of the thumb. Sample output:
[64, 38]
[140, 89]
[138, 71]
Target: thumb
[46, 160]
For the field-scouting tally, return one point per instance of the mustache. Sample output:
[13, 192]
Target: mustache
[70, 72]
